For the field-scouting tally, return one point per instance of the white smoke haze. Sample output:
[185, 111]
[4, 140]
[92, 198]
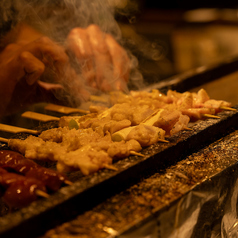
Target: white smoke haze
[55, 19]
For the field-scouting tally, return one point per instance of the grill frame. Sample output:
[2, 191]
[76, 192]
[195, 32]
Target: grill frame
[64, 204]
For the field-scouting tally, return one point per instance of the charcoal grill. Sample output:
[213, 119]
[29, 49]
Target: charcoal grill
[88, 192]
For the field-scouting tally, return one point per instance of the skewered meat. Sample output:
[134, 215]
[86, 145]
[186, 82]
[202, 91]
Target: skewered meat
[35, 147]
[86, 158]
[90, 142]
[216, 104]
[145, 134]
[16, 162]
[20, 191]
[65, 120]
[197, 113]
[113, 126]
[89, 156]
[171, 121]
[13, 161]
[53, 180]
[123, 148]
[136, 114]
[185, 102]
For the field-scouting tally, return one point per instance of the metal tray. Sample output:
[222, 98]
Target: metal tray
[88, 191]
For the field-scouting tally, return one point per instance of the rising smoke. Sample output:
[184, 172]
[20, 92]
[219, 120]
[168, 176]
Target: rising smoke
[55, 19]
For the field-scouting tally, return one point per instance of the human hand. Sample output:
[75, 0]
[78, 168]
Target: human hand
[23, 65]
[104, 63]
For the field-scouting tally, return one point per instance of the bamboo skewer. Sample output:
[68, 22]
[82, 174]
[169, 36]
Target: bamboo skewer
[41, 193]
[188, 129]
[64, 110]
[162, 140]
[67, 182]
[136, 153]
[109, 166]
[227, 108]
[4, 140]
[14, 129]
[210, 116]
[39, 116]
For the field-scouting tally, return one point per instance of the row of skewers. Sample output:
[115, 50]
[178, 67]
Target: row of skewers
[22, 180]
[155, 115]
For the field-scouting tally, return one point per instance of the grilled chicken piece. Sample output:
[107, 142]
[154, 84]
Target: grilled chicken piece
[123, 148]
[171, 121]
[65, 120]
[35, 148]
[86, 158]
[125, 111]
[113, 126]
[146, 135]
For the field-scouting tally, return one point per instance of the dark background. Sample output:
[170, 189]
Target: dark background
[185, 4]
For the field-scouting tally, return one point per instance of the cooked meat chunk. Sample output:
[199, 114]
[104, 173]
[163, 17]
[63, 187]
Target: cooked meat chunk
[87, 159]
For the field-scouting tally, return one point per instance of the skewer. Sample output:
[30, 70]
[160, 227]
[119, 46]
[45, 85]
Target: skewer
[136, 153]
[108, 166]
[41, 193]
[4, 140]
[210, 116]
[153, 114]
[64, 110]
[67, 182]
[188, 129]
[98, 99]
[227, 108]
[14, 129]
[39, 116]
[162, 140]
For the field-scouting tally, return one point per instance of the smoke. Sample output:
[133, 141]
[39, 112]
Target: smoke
[55, 19]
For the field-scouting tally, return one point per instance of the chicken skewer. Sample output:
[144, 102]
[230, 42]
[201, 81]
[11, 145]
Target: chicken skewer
[200, 99]
[109, 133]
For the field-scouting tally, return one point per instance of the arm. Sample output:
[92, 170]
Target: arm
[29, 58]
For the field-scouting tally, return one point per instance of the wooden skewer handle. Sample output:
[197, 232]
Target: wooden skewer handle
[41, 193]
[210, 116]
[228, 108]
[14, 129]
[39, 116]
[64, 110]
[4, 140]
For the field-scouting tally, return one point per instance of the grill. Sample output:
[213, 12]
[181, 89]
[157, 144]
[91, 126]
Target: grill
[94, 194]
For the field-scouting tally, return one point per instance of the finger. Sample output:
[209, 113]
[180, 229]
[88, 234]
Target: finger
[120, 61]
[32, 67]
[78, 43]
[103, 61]
[44, 47]
[56, 93]
[49, 86]
[49, 53]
